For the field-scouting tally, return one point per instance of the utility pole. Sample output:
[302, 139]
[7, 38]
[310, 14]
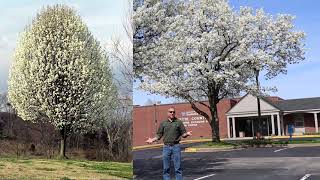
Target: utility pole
[155, 117]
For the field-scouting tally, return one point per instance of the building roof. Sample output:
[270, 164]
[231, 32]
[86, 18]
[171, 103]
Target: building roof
[302, 104]
[298, 104]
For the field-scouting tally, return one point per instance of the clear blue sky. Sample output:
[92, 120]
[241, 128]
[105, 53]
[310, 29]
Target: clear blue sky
[103, 17]
[302, 79]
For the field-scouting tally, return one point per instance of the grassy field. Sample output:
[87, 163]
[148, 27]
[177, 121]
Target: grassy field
[23, 169]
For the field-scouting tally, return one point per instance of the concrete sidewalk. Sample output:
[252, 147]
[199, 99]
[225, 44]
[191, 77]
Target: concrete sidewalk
[305, 145]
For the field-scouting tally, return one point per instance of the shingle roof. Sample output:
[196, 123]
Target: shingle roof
[298, 104]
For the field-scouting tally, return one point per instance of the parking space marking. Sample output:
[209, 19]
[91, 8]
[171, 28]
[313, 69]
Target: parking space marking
[305, 177]
[280, 149]
[218, 163]
[157, 157]
[205, 177]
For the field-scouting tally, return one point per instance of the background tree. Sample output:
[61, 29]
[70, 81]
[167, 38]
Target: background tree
[206, 50]
[274, 45]
[3, 102]
[119, 127]
[119, 130]
[61, 74]
[121, 55]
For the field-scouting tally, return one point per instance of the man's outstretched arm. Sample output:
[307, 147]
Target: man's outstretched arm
[184, 135]
[151, 140]
[158, 136]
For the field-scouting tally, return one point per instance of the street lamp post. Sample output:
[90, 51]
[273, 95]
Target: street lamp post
[155, 118]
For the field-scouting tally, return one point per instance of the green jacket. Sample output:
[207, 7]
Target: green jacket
[171, 131]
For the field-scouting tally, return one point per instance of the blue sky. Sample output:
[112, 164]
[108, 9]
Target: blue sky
[103, 17]
[302, 79]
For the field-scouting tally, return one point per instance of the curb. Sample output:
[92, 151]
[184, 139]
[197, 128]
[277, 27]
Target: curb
[191, 149]
[154, 146]
[305, 145]
[210, 149]
[297, 136]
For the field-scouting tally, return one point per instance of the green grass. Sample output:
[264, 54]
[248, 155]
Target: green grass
[118, 169]
[215, 145]
[123, 170]
[303, 141]
[16, 160]
[62, 169]
[65, 178]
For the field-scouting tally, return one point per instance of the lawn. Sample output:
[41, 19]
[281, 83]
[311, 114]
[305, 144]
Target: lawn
[13, 168]
[295, 141]
[215, 145]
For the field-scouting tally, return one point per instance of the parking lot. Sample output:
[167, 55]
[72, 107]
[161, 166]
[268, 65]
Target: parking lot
[286, 163]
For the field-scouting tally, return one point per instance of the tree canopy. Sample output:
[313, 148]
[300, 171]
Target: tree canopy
[204, 49]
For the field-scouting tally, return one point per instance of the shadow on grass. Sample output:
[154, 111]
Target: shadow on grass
[45, 169]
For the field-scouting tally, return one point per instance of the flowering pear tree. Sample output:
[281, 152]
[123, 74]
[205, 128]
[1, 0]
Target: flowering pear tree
[206, 50]
[61, 74]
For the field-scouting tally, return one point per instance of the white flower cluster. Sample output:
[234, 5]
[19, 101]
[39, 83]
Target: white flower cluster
[60, 73]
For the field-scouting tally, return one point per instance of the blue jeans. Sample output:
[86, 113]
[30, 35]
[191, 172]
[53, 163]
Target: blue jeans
[175, 152]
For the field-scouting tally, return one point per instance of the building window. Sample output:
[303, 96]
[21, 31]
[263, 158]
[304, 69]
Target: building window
[299, 120]
[299, 123]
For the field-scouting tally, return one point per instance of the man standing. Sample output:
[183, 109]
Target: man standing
[171, 130]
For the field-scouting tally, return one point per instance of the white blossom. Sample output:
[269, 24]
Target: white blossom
[60, 73]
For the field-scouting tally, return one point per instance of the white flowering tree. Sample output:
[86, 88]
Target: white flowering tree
[61, 74]
[206, 50]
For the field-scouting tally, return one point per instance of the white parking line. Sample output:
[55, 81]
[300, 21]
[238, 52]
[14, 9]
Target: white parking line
[280, 149]
[205, 177]
[157, 157]
[305, 177]
[217, 163]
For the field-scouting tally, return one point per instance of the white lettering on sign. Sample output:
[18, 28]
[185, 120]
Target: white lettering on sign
[193, 121]
[197, 118]
[189, 113]
[184, 119]
[197, 121]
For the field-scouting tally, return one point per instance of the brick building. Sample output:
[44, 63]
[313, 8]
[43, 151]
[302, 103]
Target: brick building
[237, 118]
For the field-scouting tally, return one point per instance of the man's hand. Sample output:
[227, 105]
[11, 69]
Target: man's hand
[187, 134]
[151, 140]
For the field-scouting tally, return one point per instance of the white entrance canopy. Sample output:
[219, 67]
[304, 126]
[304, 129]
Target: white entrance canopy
[247, 107]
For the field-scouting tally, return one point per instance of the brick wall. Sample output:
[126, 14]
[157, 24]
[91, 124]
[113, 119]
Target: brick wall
[146, 120]
[309, 123]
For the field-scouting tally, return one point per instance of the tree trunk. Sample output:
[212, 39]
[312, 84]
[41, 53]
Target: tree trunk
[214, 123]
[215, 131]
[259, 133]
[63, 144]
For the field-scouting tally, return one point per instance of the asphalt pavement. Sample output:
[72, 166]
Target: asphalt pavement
[277, 163]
